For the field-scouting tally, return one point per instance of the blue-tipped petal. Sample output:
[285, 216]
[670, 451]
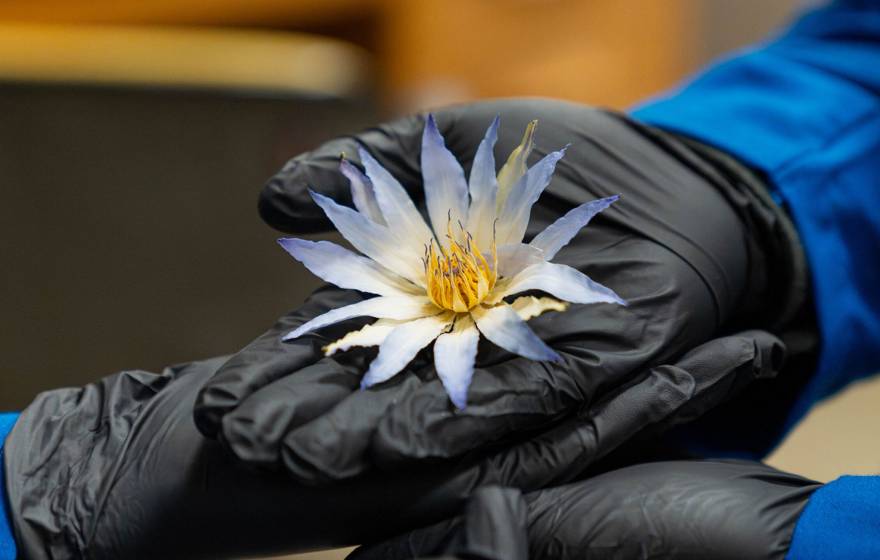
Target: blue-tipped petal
[454, 355]
[563, 282]
[382, 307]
[502, 326]
[446, 191]
[362, 192]
[483, 181]
[483, 186]
[516, 257]
[401, 215]
[559, 233]
[402, 345]
[372, 239]
[514, 218]
[337, 265]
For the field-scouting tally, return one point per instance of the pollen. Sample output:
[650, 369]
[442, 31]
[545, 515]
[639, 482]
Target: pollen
[458, 276]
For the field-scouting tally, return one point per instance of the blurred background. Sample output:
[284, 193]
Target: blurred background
[136, 135]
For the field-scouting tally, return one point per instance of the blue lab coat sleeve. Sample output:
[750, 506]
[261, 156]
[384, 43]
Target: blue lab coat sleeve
[804, 109]
[7, 541]
[841, 522]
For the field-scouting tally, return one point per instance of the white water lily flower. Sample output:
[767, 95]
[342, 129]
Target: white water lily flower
[446, 283]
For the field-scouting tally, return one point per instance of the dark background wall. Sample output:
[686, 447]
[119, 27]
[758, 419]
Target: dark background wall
[129, 236]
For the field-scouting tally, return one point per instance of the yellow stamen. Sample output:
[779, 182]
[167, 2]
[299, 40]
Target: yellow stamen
[458, 276]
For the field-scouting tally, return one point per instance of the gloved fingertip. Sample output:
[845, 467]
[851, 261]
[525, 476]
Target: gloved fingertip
[770, 355]
[250, 445]
[320, 461]
[212, 402]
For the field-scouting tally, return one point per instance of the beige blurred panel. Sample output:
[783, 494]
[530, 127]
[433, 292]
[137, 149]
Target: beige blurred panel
[838, 437]
[339, 554]
[226, 12]
[179, 56]
[606, 52]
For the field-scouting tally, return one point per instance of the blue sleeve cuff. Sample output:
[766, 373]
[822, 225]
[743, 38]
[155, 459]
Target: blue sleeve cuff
[841, 521]
[7, 541]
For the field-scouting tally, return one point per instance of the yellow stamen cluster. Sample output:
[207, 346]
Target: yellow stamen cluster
[458, 276]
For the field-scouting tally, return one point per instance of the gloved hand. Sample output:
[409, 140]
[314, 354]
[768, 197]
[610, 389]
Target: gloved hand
[734, 510]
[694, 250]
[117, 469]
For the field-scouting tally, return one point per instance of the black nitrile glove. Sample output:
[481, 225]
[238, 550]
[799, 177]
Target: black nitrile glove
[117, 469]
[696, 250]
[687, 510]
[494, 526]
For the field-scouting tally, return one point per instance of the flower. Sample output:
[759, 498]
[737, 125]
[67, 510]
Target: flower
[447, 283]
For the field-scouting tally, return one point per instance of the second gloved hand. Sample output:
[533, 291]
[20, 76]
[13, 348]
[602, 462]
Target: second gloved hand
[687, 510]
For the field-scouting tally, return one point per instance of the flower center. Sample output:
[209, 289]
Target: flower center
[458, 276]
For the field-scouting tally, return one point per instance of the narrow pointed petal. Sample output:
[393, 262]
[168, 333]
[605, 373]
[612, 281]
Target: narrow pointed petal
[454, 355]
[401, 215]
[373, 240]
[561, 281]
[402, 345]
[362, 192]
[530, 306]
[341, 267]
[483, 187]
[514, 217]
[382, 307]
[559, 233]
[514, 257]
[371, 335]
[515, 167]
[446, 191]
[502, 326]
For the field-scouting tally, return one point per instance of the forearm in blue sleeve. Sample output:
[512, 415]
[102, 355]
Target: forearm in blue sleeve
[803, 108]
[7, 541]
[841, 522]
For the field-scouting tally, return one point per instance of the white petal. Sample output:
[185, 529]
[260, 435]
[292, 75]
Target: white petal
[559, 233]
[530, 306]
[382, 307]
[514, 257]
[483, 187]
[402, 345]
[370, 335]
[514, 217]
[397, 207]
[503, 327]
[454, 355]
[362, 192]
[337, 265]
[373, 240]
[561, 281]
[446, 191]
[515, 167]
